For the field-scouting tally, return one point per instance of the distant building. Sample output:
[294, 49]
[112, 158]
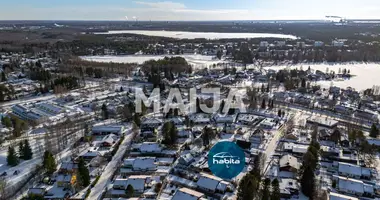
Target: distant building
[338, 43]
[318, 43]
[264, 44]
[300, 44]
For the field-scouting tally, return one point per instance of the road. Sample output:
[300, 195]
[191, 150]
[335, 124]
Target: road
[271, 147]
[105, 178]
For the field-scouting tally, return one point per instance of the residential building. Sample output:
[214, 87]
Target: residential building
[187, 194]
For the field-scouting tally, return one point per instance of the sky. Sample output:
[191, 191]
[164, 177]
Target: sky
[188, 10]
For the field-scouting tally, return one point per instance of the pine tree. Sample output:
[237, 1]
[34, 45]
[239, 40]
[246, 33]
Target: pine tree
[3, 77]
[21, 150]
[246, 187]
[266, 190]
[222, 104]
[276, 195]
[262, 88]
[84, 174]
[374, 132]
[105, 112]
[49, 163]
[308, 181]
[136, 119]
[279, 113]
[28, 153]
[263, 105]
[12, 159]
[129, 191]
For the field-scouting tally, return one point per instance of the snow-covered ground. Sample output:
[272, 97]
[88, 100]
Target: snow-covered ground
[194, 35]
[193, 59]
[365, 75]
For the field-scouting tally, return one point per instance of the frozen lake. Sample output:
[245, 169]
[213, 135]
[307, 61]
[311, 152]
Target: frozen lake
[198, 61]
[365, 75]
[207, 35]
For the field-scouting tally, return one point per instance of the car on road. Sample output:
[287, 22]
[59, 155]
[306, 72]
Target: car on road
[4, 174]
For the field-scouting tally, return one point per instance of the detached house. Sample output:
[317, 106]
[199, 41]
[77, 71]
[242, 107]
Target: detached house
[289, 163]
[187, 194]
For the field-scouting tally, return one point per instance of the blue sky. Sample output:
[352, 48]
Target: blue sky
[187, 9]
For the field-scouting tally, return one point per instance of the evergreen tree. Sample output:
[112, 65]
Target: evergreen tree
[279, 113]
[105, 112]
[21, 150]
[127, 114]
[176, 112]
[246, 188]
[28, 153]
[374, 132]
[222, 104]
[268, 87]
[276, 195]
[83, 173]
[198, 107]
[129, 191]
[169, 133]
[49, 163]
[263, 105]
[3, 76]
[303, 83]
[266, 190]
[308, 181]
[262, 88]
[136, 119]
[12, 158]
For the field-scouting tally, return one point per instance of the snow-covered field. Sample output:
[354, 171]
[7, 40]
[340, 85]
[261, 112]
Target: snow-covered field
[194, 35]
[194, 59]
[365, 75]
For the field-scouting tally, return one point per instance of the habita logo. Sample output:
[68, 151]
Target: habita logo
[226, 159]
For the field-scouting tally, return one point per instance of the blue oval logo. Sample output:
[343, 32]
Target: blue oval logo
[226, 160]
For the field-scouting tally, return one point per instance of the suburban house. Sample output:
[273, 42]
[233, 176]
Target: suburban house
[187, 194]
[353, 171]
[353, 186]
[289, 163]
[289, 187]
[108, 129]
[150, 148]
[211, 184]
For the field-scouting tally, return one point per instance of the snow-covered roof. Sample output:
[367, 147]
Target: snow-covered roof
[337, 196]
[144, 163]
[187, 194]
[209, 182]
[288, 160]
[350, 169]
[116, 129]
[150, 147]
[348, 184]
